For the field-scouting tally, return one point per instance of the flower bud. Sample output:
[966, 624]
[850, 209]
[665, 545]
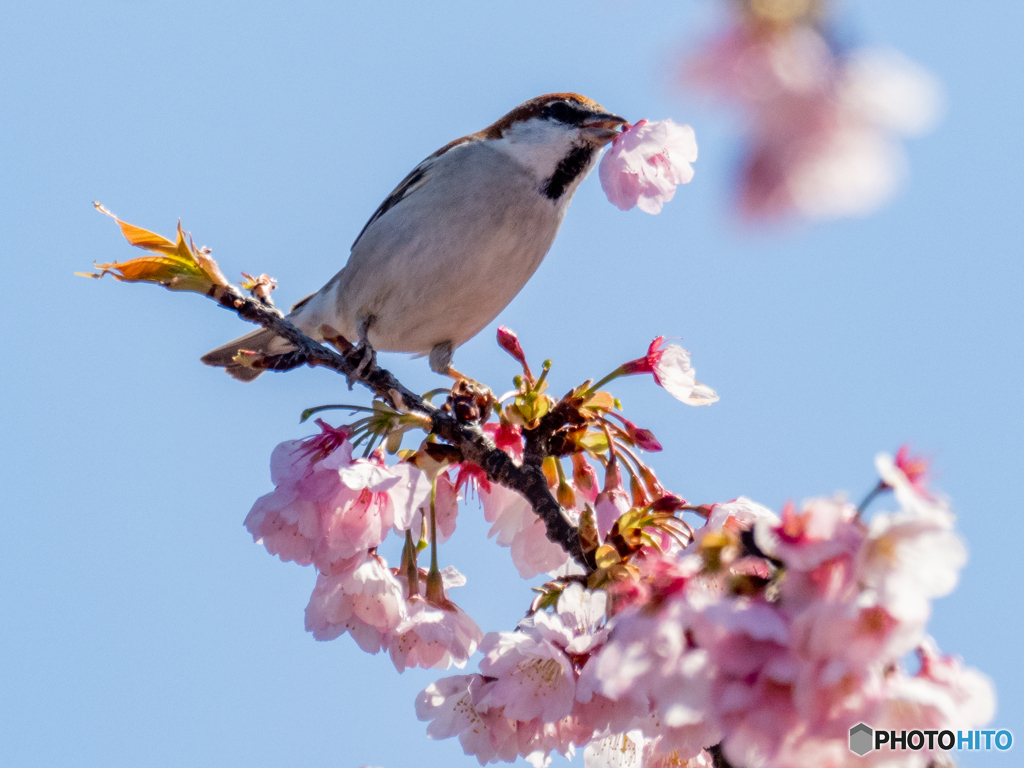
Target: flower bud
[509, 341]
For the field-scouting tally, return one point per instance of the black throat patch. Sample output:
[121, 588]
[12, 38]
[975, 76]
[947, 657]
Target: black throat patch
[568, 170]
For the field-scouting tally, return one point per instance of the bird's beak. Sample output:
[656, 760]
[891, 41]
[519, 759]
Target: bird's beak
[602, 128]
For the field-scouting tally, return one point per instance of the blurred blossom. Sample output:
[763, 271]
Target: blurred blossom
[823, 125]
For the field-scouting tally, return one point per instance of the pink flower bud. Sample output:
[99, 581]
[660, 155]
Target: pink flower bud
[509, 341]
[643, 438]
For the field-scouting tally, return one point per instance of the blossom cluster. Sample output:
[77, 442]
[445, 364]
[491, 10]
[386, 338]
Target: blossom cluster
[755, 638]
[823, 122]
[332, 510]
[765, 637]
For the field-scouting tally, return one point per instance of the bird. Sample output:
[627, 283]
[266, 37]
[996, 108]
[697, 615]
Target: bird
[455, 241]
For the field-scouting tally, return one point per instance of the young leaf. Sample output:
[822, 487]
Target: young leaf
[178, 266]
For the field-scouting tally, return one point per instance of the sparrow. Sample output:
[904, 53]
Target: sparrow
[455, 241]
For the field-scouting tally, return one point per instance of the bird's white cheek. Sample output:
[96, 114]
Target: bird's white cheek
[538, 145]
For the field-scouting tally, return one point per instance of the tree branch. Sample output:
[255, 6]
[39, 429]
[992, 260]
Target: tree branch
[528, 480]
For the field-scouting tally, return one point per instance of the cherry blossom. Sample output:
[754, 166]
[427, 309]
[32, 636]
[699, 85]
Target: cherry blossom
[535, 668]
[911, 557]
[651, 663]
[758, 635]
[287, 521]
[824, 529]
[414, 503]
[327, 509]
[517, 526]
[451, 707]
[368, 603]
[645, 164]
[448, 706]
[670, 365]
[434, 635]
[906, 476]
[633, 749]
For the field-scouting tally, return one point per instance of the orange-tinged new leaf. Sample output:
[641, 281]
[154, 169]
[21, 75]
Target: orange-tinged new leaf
[179, 265]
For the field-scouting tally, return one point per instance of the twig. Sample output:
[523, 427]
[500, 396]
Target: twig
[528, 480]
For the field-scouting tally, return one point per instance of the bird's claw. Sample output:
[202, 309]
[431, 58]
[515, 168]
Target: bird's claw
[365, 359]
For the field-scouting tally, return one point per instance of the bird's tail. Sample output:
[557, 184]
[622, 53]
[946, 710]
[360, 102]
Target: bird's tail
[262, 341]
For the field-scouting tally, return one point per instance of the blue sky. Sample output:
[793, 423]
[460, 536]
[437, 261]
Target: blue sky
[141, 626]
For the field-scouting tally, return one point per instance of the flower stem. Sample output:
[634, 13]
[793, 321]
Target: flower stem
[310, 411]
[620, 371]
[862, 507]
[409, 564]
[435, 585]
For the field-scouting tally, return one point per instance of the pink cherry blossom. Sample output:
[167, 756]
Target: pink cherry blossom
[410, 496]
[411, 499]
[645, 164]
[508, 437]
[451, 706]
[617, 750]
[739, 513]
[286, 520]
[906, 476]
[330, 509]
[535, 668]
[825, 528]
[670, 365]
[697, 654]
[327, 509]
[650, 662]
[965, 697]
[368, 603]
[429, 635]
[911, 557]
[448, 706]
[635, 749]
[515, 523]
[517, 526]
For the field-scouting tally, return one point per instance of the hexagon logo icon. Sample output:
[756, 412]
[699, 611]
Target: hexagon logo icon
[861, 738]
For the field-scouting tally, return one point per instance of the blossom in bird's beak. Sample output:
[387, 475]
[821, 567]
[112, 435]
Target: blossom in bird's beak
[646, 163]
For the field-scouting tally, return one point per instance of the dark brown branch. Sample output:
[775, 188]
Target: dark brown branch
[528, 479]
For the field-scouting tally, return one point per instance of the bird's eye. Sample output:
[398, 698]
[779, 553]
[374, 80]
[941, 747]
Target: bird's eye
[562, 112]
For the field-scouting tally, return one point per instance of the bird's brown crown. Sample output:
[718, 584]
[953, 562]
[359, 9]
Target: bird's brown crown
[575, 103]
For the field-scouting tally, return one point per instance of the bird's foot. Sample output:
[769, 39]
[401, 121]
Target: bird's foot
[365, 358]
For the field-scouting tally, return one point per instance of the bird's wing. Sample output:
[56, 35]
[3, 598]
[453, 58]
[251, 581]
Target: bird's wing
[410, 183]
